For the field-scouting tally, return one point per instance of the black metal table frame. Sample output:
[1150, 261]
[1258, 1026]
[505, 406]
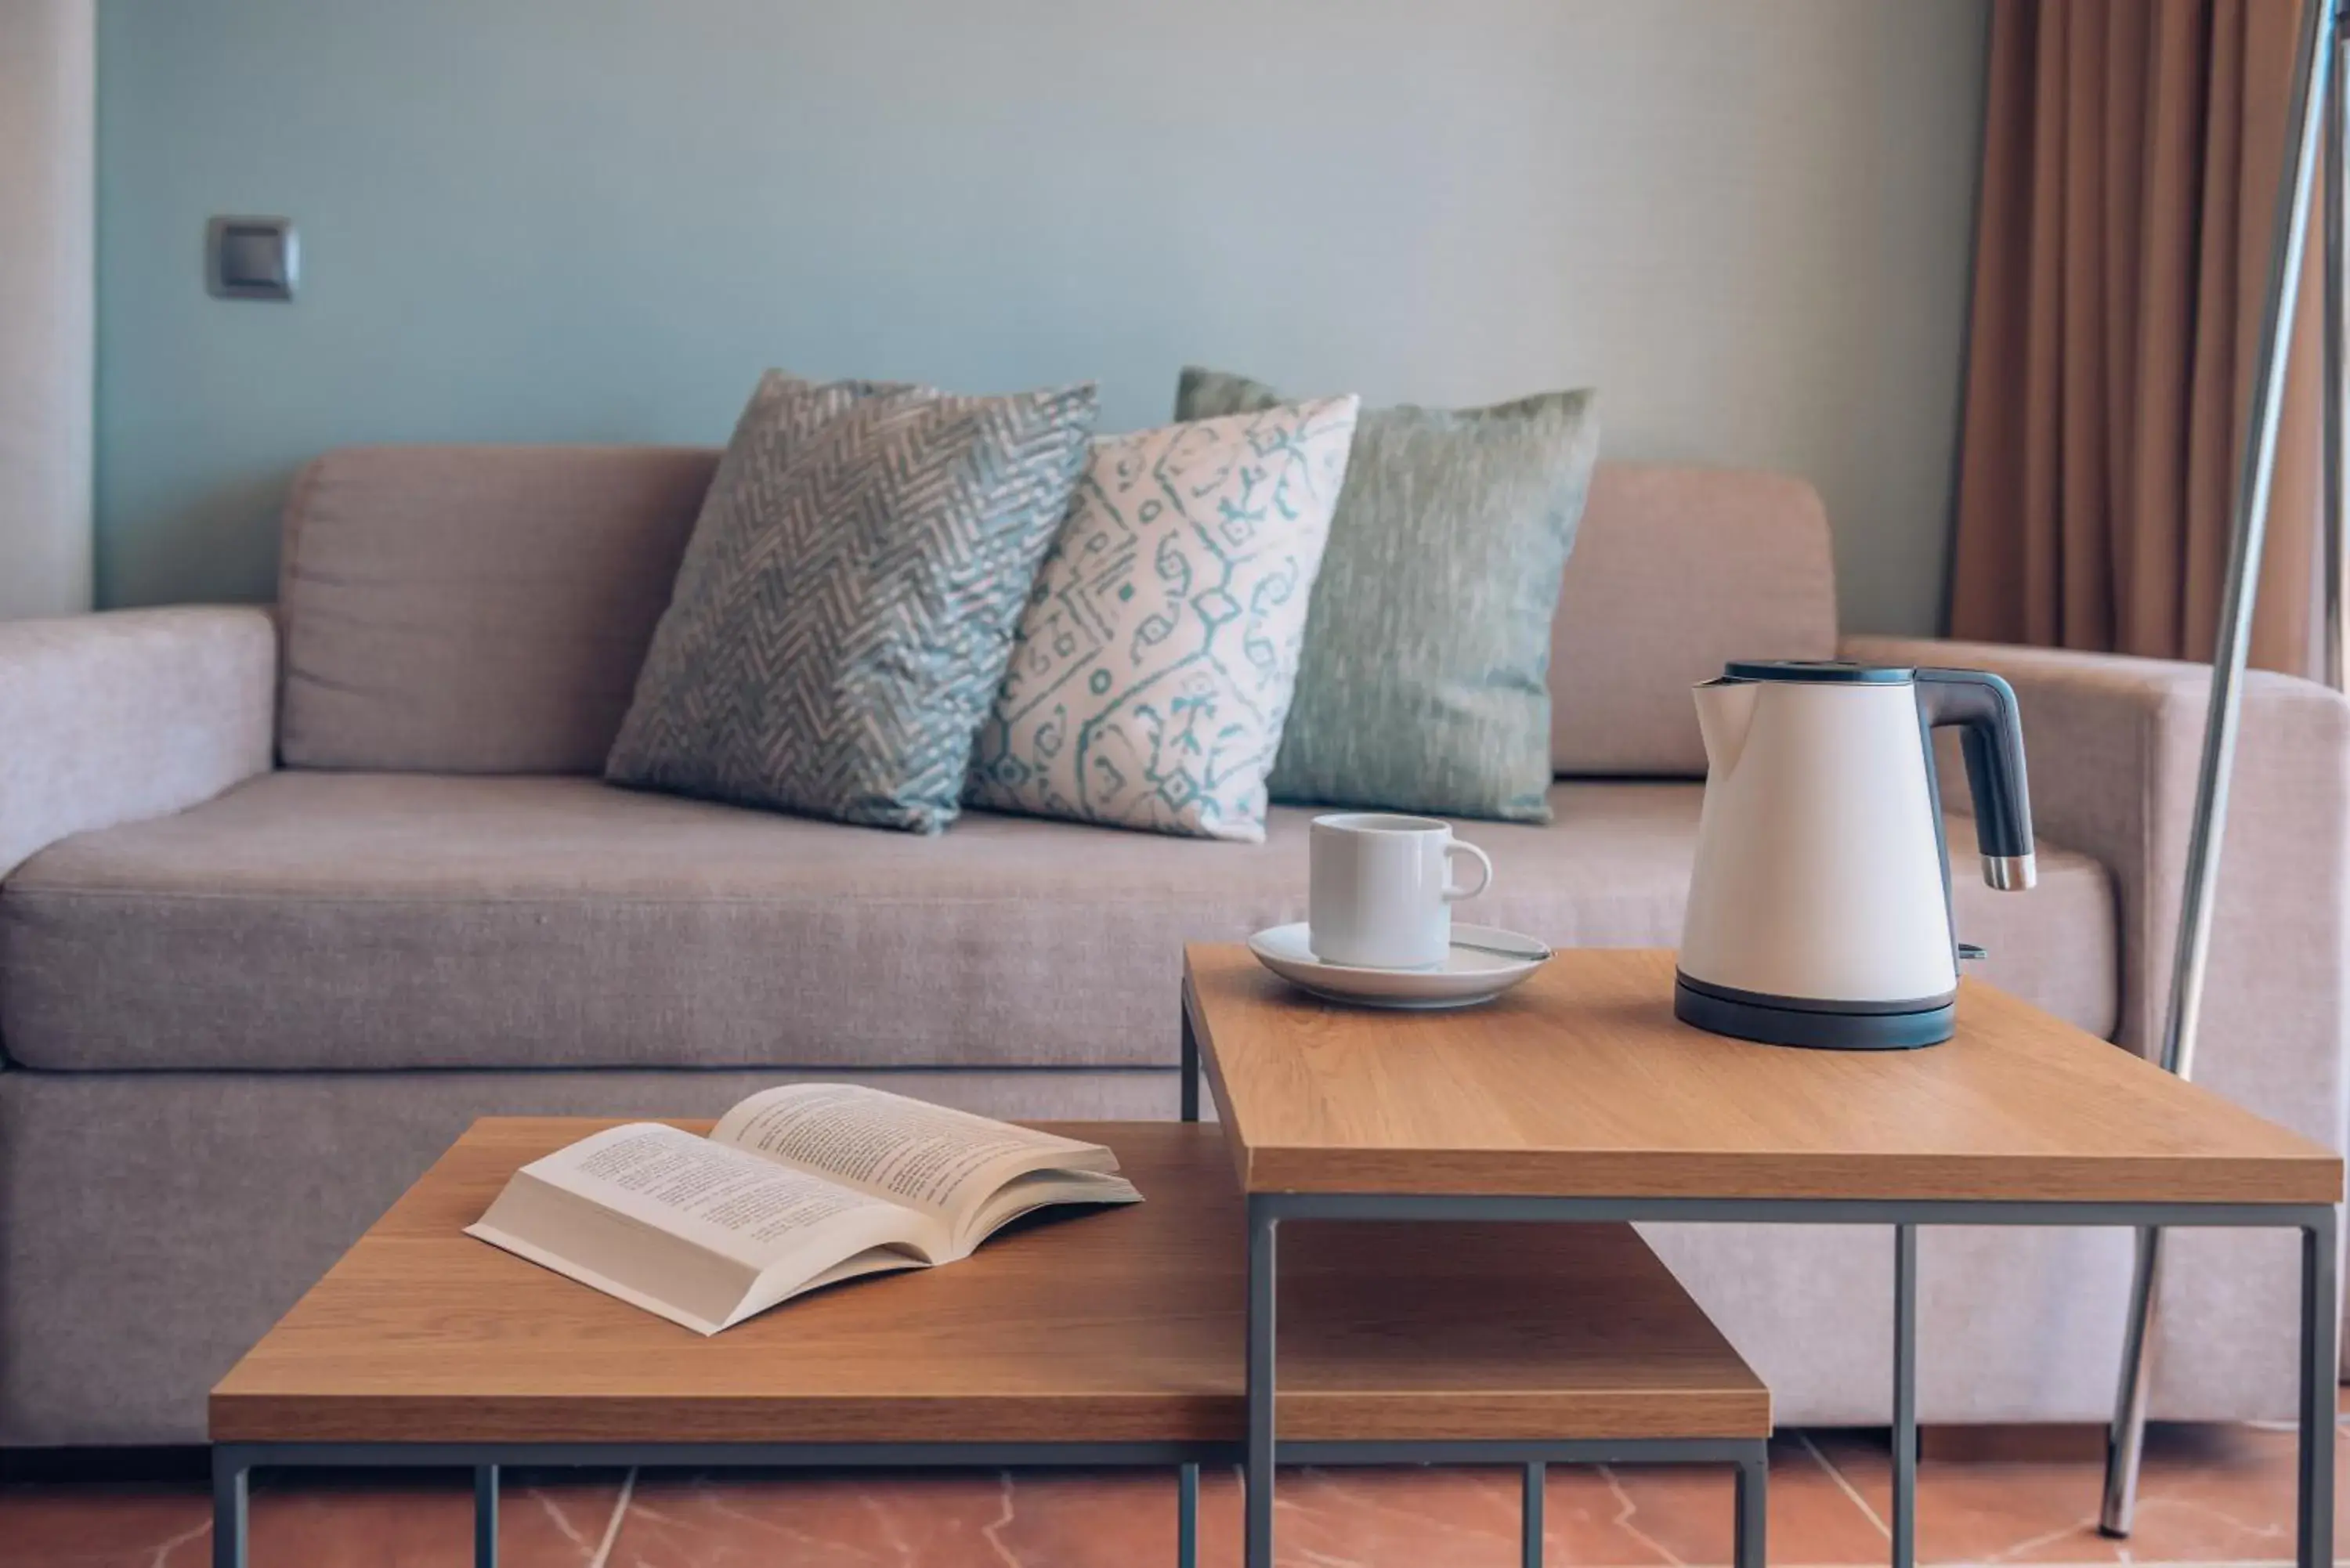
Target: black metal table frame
[2319, 1322]
[233, 1464]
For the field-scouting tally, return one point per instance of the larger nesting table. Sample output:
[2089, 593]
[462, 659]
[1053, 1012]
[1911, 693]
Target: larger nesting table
[1109, 1339]
[1579, 1097]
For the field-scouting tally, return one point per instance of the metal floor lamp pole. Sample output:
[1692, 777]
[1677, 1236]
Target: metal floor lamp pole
[2317, 104]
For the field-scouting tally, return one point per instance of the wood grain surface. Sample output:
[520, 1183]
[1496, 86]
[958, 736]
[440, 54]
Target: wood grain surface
[1581, 1082]
[1117, 1325]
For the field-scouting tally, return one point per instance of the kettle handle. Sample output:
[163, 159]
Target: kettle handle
[1982, 706]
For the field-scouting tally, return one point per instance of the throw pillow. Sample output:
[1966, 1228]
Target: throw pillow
[843, 614]
[1425, 682]
[1156, 654]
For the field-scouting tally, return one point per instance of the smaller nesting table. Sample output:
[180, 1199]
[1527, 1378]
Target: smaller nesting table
[1579, 1097]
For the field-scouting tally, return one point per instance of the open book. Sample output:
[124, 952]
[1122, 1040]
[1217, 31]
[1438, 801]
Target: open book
[796, 1187]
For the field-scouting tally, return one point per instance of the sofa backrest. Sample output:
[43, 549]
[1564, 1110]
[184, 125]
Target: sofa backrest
[1675, 571]
[485, 608]
[475, 609]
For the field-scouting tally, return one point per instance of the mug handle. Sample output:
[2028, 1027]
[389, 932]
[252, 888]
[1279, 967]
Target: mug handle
[1453, 892]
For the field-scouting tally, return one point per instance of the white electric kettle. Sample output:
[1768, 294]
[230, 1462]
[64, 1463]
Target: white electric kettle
[1819, 910]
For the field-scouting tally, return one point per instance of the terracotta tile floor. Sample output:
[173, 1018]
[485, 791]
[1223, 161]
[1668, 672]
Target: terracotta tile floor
[2210, 1496]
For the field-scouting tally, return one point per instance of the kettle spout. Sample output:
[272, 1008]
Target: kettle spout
[1724, 709]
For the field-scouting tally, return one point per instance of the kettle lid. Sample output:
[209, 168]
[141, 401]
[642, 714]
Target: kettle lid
[1840, 671]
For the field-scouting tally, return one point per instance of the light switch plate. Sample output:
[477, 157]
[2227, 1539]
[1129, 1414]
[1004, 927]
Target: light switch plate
[252, 258]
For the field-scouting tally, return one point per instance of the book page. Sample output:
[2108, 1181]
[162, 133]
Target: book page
[749, 1210]
[1040, 1190]
[929, 1158]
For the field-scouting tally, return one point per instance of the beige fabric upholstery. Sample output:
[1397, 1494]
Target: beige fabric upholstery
[477, 608]
[1677, 571]
[404, 920]
[107, 719]
[388, 921]
[479, 620]
[485, 608]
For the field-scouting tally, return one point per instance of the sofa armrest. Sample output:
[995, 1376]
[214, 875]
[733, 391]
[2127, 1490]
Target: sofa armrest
[112, 717]
[2112, 746]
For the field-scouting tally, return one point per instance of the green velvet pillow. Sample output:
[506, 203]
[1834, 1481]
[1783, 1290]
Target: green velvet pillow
[1425, 680]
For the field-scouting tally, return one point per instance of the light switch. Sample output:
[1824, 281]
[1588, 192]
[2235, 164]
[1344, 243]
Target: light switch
[252, 258]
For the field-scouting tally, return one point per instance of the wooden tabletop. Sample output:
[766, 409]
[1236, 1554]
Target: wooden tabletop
[1581, 1082]
[1117, 1325]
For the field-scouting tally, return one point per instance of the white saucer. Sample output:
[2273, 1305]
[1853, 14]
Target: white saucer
[1467, 976]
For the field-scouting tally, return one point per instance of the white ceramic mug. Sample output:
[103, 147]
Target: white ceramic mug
[1382, 891]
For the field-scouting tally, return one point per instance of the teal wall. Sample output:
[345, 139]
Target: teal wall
[597, 220]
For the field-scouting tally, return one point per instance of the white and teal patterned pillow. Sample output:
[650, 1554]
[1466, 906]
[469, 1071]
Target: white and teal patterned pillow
[842, 617]
[1154, 663]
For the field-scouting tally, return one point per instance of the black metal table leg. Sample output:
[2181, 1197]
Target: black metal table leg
[485, 1516]
[1190, 1068]
[1262, 1266]
[1905, 1395]
[1187, 1516]
[2320, 1325]
[1530, 1516]
[1752, 1513]
[229, 1490]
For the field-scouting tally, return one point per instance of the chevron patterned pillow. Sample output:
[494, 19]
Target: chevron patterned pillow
[1154, 664]
[844, 608]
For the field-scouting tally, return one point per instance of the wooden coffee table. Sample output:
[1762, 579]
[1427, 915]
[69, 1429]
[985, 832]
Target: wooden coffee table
[1577, 1096]
[1112, 1338]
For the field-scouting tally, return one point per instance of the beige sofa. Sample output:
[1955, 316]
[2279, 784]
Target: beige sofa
[288, 901]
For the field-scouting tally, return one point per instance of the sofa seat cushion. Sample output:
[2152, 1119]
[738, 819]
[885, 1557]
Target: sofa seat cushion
[376, 921]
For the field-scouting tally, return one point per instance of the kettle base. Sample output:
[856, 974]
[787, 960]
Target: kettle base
[1811, 1026]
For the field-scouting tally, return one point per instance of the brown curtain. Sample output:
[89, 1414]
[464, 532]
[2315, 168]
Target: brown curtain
[2131, 154]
